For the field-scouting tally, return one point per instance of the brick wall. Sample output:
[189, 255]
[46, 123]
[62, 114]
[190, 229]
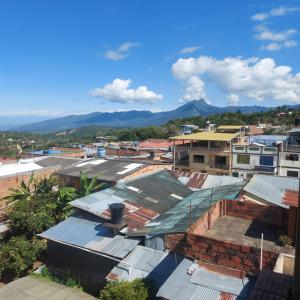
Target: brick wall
[272, 215]
[12, 182]
[208, 219]
[193, 244]
[227, 254]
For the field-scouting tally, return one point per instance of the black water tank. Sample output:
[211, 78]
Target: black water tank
[297, 122]
[116, 212]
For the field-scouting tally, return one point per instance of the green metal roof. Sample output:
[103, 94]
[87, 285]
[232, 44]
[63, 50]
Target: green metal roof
[189, 209]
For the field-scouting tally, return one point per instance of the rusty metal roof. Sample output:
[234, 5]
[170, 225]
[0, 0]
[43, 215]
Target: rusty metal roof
[291, 198]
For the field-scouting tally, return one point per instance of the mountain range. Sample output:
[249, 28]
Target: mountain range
[133, 118]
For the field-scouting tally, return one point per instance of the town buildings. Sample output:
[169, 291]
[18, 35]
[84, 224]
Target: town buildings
[208, 151]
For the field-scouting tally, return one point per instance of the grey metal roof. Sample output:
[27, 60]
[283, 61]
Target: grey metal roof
[158, 191]
[212, 181]
[145, 262]
[31, 288]
[86, 231]
[271, 188]
[191, 208]
[110, 170]
[55, 161]
[202, 284]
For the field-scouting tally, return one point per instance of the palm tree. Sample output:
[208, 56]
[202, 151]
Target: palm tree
[88, 186]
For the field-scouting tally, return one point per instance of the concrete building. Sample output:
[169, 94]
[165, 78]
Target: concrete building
[289, 157]
[259, 156]
[207, 152]
[188, 128]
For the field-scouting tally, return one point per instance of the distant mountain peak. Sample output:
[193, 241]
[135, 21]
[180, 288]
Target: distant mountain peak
[134, 118]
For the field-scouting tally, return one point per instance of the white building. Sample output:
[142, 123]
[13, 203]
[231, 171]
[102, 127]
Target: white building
[254, 159]
[289, 157]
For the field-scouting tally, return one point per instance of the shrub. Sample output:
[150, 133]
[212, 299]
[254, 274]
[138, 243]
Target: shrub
[125, 290]
[17, 256]
[284, 240]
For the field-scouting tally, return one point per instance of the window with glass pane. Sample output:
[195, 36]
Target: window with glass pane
[243, 159]
[266, 160]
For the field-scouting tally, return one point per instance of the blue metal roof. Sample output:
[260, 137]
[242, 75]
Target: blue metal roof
[86, 231]
[145, 262]
[201, 284]
[271, 188]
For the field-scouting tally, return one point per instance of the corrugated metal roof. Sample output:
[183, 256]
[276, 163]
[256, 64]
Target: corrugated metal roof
[12, 169]
[206, 136]
[178, 218]
[271, 285]
[271, 188]
[110, 170]
[196, 180]
[202, 284]
[145, 262]
[53, 161]
[151, 191]
[31, 288]
[179, 287]
[86, 231]
[231, 127]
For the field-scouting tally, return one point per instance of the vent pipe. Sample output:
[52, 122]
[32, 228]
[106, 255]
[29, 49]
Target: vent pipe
[116, 213]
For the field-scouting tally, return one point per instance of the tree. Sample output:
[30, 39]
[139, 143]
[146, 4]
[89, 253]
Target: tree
[38, 205]
[88, 186]
[17, 256]
[125, 290]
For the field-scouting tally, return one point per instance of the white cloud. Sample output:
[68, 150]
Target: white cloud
[275, 12]
[277, 40]
[265, 34]
[189, 50]
[121, 52]
[254, 78]
[119, 91]
[233, 99]
[194, 89]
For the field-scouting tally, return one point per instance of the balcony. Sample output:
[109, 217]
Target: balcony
[268, 169]
[292, 148]
[219, 166]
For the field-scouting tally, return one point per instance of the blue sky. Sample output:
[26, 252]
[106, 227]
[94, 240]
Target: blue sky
[59, 57]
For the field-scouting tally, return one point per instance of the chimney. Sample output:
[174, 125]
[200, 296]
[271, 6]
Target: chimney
[297, 122]
[116, 222]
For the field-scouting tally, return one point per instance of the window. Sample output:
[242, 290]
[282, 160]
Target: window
[292, 173]
[198, 158]
[255, 149]
[243, 159]
[238, 148]
[269, 149]
[266, 160]
[293, 157]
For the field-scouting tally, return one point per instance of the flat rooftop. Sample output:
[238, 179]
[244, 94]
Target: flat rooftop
[247, 233]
